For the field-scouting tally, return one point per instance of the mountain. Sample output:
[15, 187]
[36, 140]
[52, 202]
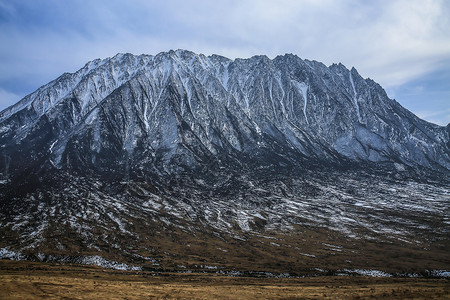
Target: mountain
[180, 160]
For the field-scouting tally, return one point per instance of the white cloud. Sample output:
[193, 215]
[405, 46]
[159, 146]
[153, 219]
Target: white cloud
[396, 40]
[390, 41]
[440, 117]
[7, 98]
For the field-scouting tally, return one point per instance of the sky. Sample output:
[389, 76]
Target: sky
[402, 44]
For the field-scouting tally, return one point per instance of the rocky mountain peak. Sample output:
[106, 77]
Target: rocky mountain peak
[149, 152]
[316, 111]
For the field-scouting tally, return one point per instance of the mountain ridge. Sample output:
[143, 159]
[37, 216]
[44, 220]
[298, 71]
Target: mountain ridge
[147, 152]
[172, 67]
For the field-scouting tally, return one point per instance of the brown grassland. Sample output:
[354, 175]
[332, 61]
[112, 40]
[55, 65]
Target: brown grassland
[29, 280]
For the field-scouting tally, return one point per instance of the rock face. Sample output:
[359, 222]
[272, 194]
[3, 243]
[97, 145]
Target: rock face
[245, 144]
[181, 108]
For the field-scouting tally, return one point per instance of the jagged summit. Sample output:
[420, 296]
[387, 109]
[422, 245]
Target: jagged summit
[327, 113]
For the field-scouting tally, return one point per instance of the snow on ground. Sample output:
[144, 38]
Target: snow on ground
[370, 273]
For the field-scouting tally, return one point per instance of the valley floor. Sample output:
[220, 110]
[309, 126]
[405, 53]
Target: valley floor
[29, 280]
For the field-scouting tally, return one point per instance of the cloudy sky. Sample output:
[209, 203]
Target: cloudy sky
[402, 44]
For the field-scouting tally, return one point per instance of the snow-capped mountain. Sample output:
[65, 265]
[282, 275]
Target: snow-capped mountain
[234, 147]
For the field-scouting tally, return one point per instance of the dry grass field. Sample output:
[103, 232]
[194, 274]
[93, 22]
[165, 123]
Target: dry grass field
[27, 280]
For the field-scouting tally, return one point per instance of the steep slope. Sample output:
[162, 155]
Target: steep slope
[144, 152]
[131, 101]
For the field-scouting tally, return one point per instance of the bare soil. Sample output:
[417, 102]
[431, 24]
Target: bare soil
[29, 280]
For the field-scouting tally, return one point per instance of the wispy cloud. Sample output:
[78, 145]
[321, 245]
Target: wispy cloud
[437, 117]
[6, 98]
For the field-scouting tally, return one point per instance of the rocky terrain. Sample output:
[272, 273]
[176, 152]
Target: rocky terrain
[185, 162]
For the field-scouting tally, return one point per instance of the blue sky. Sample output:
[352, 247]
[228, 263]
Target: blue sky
[402, 44]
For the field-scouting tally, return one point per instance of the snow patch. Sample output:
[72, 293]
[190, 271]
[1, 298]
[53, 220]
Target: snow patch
[440, 273]
[309, 255]
[355, 100]
[107, 264]
[304, 90]
[5, 253]
[370, 273]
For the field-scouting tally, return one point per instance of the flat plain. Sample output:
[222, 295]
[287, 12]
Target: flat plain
[31, 280]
